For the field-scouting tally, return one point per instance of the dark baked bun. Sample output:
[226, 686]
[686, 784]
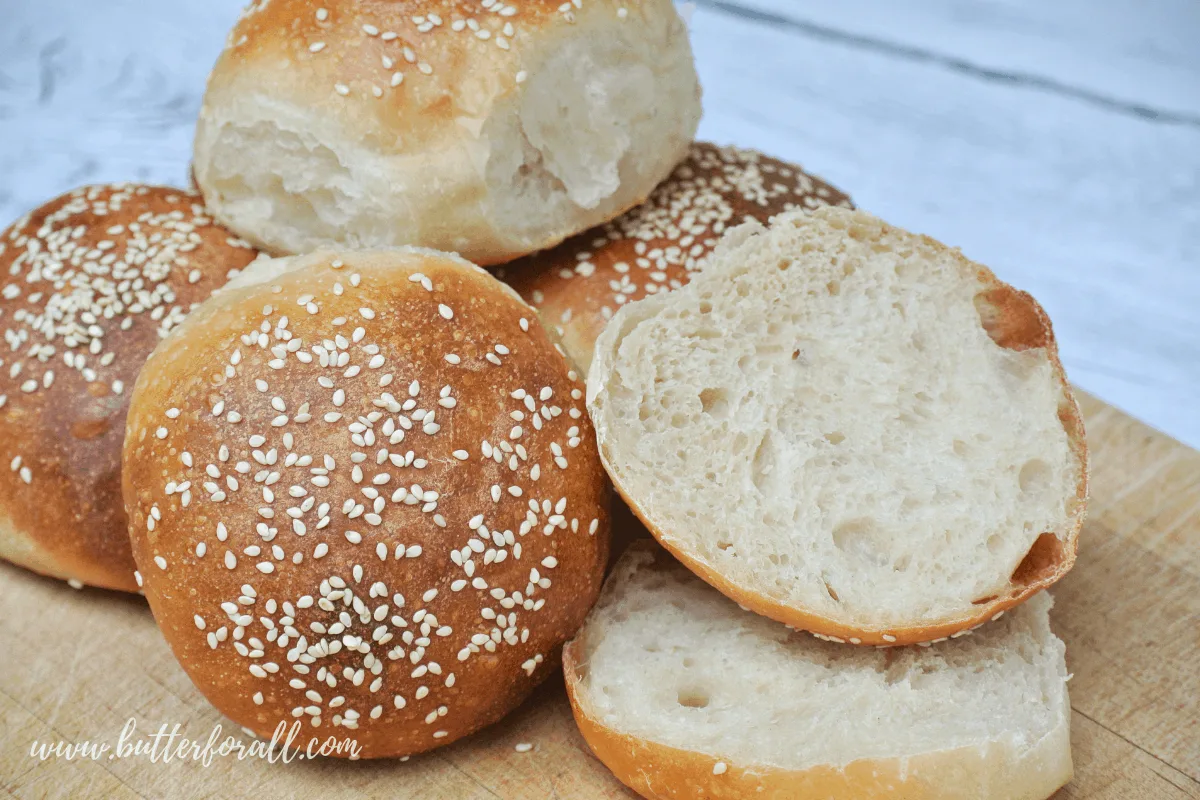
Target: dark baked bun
[91, 281]
[578, 286]
[364, 493]
[489, 129]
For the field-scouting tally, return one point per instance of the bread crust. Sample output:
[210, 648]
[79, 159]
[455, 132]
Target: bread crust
[1018, 322]
[389, 119]
[579, 285]
[96, 277]
[991, 771]
[335, 430]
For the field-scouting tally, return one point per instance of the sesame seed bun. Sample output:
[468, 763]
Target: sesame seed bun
[364, 493]
[848, 428]
[684, 695]
[92, 280]
[578, 286]
[492, 130]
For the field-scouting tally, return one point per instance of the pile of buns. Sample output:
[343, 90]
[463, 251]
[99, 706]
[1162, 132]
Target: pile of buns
[365, 484]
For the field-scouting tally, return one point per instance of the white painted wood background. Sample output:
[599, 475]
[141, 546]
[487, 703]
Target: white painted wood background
[1058, 142]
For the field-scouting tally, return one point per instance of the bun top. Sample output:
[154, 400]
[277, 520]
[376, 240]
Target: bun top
[92, 281]
[529, 118]
[364, 491]
[394, 65]
[578, 286]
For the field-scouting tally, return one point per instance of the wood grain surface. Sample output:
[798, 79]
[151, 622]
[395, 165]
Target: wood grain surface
[1057, 142]
[79, 664]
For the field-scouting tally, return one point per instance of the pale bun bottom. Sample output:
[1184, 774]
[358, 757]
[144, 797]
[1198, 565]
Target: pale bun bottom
[990, 771]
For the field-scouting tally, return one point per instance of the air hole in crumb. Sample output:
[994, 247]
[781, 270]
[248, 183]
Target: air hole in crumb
[688, 663]
[835, 437]
[857, 538]
[714, 401]
[994, 542]
[764, 462]
[1034, 475]
[1042, 560]
[725, 547]
[1011, 319]
[693, 697]
[834, 288]
[983, 600]
[960, 448]
[651, 648]
[706, 307]
[784, 264]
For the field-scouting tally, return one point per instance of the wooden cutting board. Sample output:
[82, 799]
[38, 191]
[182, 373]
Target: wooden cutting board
[75, 665]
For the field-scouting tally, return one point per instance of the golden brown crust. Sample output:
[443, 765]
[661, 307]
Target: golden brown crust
[466, 530]
[1015, 321]
[93, 279]
[446, 71]
[991, 771]
[455, 58]
[579, 285]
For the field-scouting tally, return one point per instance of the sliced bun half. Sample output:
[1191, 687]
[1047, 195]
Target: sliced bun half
[849, 428]
[682, 695]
